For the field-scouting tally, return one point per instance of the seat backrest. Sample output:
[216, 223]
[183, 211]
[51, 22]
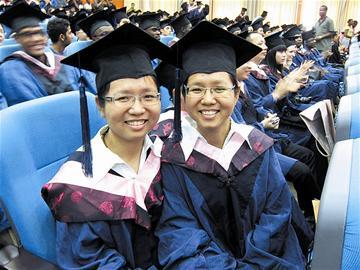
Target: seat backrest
[333, 219]
[76, 46]
[348, 118]
[8, 41]
[36, 138]
[352, 84]
[6, 50]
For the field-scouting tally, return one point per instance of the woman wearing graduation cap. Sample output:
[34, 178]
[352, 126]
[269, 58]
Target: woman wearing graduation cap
[106, 198]
[227, 205]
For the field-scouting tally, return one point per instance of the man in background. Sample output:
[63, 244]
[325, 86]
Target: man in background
[324, 28]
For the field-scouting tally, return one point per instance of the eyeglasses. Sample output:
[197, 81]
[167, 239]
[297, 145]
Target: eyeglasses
[122, 100]
[217, 92]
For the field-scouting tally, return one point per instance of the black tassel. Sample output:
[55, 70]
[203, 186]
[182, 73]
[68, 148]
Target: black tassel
[86, 162]
[177, 136]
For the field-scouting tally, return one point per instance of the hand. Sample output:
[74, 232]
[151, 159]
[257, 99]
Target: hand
[271, 121]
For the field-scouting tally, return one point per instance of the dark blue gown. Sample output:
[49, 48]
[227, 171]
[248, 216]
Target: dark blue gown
[244, 217]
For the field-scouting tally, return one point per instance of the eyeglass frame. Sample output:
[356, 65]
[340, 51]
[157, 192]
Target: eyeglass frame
[211, 89]
[132, 101]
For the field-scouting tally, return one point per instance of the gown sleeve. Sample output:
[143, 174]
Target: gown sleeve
[183, 243]
[272, 243]
[87, 246]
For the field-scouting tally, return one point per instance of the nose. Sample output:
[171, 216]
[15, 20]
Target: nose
[208, 97]
[137, 108]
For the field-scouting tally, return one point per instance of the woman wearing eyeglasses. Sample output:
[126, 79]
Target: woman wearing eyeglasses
[226, 203]
[107, 201]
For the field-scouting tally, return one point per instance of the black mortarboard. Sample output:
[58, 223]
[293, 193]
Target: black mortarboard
[22, 15]
[292, 32]
[243, 9]
[257, 23]
[148, 19]
[165, 23]
[179, 22]
[95, 21]
[222, 22]
[74, 20]
[308, 34]
[234, 27]
[266, 27]
[124, 53]
[119, 14]
[288, 42]
[264, 14]
[60, 13]
[166, 76]
[207, 48]
[274, 40]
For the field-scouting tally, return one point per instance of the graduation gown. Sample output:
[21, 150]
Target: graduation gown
[21, 80]
[217, 218]
[260, 92]
[106, 222]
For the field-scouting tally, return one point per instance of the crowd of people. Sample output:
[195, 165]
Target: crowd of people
[203, 131]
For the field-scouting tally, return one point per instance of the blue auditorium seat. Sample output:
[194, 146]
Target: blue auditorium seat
[337, 237]
[353, 70]
[348, 118]
[6, 50]
[39, 136]
[76, 46]
[166, 39]
[8, 41]
[352, 84]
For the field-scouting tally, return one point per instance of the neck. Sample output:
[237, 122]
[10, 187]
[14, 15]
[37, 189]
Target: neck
[216, 137]
[58, 47]
[41, 58]
[129, 151]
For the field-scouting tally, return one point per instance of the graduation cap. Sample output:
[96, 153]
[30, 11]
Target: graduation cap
[165, 22]
[60, 13]
[166, 76]
[244, 34]
[288, 42]
[266, 27]
[22, 15]
[74, 20]
[308, 34]
[264, 14]
[207, 48]
[292, 32]
[95, 21]
[124, 53]
[148, 19]
[273, 40]
[119, 14]
[222, 22]
[180, 22]
[234, 28]
[257, 23]
[243, 9]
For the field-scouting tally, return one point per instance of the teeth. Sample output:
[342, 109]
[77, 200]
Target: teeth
[136, 123]
[208, 112]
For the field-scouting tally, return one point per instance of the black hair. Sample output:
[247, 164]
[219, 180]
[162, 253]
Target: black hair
[271, 59]
[324, 6]
[56, 27]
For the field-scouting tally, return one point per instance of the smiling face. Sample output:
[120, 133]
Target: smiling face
[212, 114]
[33, 40]
[290, 52]
[130, 123]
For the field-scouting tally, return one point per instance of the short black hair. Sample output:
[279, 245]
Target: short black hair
[56, 27]
[324, 6]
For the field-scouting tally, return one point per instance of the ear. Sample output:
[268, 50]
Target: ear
[99, 107]
[62, 37]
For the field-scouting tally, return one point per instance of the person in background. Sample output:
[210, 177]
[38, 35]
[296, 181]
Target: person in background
[59, 32]
[2, 34]
[120, 17]
[348, 34]
[181, 26]
[150, 23]
[323, 28]
[97, 25]
[32, 72]
[242, 16]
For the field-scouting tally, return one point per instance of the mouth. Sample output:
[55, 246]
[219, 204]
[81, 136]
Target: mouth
[209, 114]
[136, 124]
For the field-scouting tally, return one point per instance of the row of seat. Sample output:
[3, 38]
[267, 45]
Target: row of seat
[337, 237]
